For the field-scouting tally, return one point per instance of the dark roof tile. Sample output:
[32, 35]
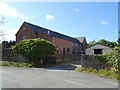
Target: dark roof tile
[52, 33]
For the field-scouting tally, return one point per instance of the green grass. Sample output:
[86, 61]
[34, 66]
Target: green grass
[110, 73]
[19, 64]
[14, 64]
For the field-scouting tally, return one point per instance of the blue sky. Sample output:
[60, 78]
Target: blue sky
[93, 20]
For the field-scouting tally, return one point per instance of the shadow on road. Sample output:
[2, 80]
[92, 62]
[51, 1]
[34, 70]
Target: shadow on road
[61, 67]
[71, 65]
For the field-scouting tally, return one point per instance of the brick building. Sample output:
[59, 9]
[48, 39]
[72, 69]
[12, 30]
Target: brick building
[84, 43]
[64, 44]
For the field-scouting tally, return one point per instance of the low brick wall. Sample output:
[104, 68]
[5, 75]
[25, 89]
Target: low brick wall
[90, 61]
[66, 57]
[9, 55]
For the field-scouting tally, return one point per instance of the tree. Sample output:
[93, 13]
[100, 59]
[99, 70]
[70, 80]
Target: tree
[91, 43]
[6, 44]
[2, 34]
[35, 50]
[2, 20]
[107, 43]
[11, 43]
[118, 42]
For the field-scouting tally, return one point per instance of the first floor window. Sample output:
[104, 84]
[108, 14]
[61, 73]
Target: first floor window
[24, 37]
[76, 45]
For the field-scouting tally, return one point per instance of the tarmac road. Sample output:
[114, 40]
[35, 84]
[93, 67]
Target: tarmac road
[18, 77]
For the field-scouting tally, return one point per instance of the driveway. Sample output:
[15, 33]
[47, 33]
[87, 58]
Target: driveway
[18, 77]
[71, 65]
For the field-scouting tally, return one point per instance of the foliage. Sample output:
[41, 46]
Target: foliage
[14, 64]
[111, 58]
[103, 72]
[117, 48]
[6, 44]
[101, 58]
[104, 42]
[118, 42]
[35, 50]
[91, 43]
[107, 43]
[80, 69]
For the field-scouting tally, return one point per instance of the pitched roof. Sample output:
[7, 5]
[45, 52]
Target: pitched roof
[97, 44]
[52, 33]
[81, 39]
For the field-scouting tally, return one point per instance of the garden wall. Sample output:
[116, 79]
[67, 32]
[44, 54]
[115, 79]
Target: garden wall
[90, 61]
[9, 55]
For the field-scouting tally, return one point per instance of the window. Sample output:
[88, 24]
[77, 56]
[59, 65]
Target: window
[98, 51]
[72, 44]
[48, 32]
[63, 50]
[57, 50]
[24, 28]
[24, 37]
[36, 34]
[68, 49]
[76, 45]
[73, 51]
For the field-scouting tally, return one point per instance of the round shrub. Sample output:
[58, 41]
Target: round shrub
[35, 50]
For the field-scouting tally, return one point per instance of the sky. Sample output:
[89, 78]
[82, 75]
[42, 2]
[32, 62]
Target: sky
[93, 20]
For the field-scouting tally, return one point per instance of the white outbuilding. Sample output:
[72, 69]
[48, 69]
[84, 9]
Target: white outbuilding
[97, 49]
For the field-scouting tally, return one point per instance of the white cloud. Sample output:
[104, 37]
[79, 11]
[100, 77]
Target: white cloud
[103, 22]
[49, 17]
[6, 10]
[10, 34]
[76, 10]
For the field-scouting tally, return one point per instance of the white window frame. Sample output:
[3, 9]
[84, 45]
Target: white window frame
[24, 37]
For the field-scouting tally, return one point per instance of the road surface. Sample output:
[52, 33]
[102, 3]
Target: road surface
[18, 77]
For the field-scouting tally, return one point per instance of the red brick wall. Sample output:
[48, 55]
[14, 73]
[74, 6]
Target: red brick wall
[61, 43]
[84, 45]
[76, 48]
[43, 36]
[58, 42]
[26, 31]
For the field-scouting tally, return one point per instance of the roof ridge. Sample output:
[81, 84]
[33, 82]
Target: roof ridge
[53, 32]
[49, 30]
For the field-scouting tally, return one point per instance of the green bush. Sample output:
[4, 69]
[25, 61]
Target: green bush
[101, 58]
[35, 50]
[111, 58]
[89, 69]
[80, 69]
[117, 48]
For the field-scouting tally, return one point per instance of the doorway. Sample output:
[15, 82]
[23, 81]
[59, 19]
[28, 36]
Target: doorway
[98, 51]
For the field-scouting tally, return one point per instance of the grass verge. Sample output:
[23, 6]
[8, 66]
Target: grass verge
[14, 64]
[19, 64]
[110, 73]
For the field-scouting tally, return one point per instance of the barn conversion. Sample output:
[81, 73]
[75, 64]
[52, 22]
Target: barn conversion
[64, 44]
